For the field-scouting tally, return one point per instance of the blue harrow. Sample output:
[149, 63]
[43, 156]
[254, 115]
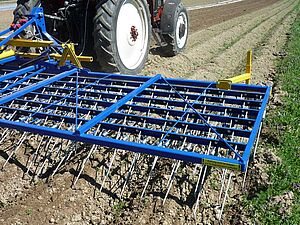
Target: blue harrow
[50, 94]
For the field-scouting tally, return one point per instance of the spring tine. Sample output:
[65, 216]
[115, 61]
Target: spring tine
[93, 149]
[257, 140]
[149, 176]
[174, 171]
[200, 190]
[5, 134]
[34, 156]
[108, 170]
[225, 197]
[22, 139]
[131, 169]
[223, 177]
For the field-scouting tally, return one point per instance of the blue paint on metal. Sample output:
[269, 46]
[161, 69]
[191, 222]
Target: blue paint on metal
[140, 100]
[8, 59]
[255, 129]
[192, 157]
[117, 105]
[5, 32]
[17, 73]
[16, 33]
[9, 87]
[37, 86]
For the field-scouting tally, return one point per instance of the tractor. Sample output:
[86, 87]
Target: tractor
[116, 32]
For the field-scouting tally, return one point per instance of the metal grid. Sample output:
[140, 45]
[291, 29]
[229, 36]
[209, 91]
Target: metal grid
[192, 121]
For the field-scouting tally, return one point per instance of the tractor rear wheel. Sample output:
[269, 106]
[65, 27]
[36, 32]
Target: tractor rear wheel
[176, 41]
[23, 8]
[122, 32]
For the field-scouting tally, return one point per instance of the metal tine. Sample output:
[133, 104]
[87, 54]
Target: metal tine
[46, 156]
[47, 143]
[135, 159]
[24, 135]
[93, 149]
[56, 140]
[209, 130]
[149, 176]
[227, 188]
[203, 173]
[58, 150]
[201, 176]
[46, 146]
[115, 150]
[131, 169]
[208, 134]
[50, 138]
[6, 131]
[254, 154]
[223, 176]
[67, 156]
[224, 171]
[137, 155]
[35, 154]
[154, 162]
[225, 197]
[111, 161]
[174, 170]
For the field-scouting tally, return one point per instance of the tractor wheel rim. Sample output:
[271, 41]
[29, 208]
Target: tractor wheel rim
[132, 33]
[181, 30]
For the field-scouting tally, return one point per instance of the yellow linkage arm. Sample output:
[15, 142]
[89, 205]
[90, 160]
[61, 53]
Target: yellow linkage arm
[226, 83]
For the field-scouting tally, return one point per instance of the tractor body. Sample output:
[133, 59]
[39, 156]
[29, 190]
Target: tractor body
[116, 32]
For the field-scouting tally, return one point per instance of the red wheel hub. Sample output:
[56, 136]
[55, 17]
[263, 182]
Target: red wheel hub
[134, 33]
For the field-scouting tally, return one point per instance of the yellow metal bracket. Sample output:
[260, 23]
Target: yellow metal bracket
[27, 43]
[69, 54]
[7, 53]
[246, 77]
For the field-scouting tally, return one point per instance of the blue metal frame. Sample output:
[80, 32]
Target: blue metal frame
[187, 120]
[121, 104]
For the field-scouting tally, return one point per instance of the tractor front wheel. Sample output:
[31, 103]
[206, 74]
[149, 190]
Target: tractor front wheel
[177, 39]
[122, 32]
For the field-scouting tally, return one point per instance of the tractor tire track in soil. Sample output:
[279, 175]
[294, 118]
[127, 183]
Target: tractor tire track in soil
[214, 52]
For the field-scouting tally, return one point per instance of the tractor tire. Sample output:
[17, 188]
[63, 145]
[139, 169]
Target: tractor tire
[24, 8]
[122, 32]
[176, 41]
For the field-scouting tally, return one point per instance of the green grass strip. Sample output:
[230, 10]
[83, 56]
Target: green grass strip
[285, 123]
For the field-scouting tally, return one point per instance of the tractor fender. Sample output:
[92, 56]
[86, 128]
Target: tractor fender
[167, 23]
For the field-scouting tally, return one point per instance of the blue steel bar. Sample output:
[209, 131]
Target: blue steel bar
[8, 59]
[5, 32]
[16, 32]
[255, 129]
[172, 112]
[117, 105]
[36, 86]
[18, 72]
[22, 80]
[191, 157]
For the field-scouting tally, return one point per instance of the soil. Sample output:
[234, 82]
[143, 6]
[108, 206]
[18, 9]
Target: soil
[216, 50]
